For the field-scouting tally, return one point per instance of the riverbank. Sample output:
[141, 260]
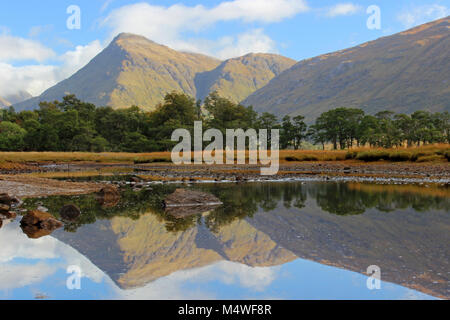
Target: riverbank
[30, 187]
[35, 174]
[83, 178]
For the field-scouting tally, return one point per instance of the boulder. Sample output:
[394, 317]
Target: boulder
[36, 224]
[108, 197]
[135, 179]
[183, 203]
[35, 232]
[8, 215]
[70, 212]
[4, 208]
[6, 199]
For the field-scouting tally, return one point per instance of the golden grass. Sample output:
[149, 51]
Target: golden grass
[109, 171]
[431, 190]
[429, 153]
[57, 157]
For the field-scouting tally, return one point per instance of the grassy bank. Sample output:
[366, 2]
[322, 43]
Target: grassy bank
[431, 153]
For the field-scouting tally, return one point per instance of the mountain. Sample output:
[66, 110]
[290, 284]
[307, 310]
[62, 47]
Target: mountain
[404, 72]
[237, 78]
[18, 97]
[134, 253]
[4, 103]
[133, 70]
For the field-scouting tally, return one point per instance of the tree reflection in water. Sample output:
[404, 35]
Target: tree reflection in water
[244, 200]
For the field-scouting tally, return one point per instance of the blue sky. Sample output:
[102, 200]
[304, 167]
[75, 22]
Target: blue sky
[38, 50]
[30, 268]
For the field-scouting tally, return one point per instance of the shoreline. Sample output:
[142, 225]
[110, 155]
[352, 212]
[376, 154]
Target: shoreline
[44, 179]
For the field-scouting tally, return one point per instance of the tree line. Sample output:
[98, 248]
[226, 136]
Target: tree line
[74, 125]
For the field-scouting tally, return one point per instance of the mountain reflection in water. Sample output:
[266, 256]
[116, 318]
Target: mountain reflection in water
[403, 229]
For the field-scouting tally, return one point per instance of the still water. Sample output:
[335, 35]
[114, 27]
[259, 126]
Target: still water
[288, 240]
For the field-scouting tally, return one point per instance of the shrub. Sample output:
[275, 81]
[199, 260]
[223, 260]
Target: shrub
[399, 156]
[303, 157]
[431, 158]
[447, 155]
[155, 160]
[351, 155]
[375, 155]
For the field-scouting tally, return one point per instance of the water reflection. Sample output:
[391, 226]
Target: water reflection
[263, 232]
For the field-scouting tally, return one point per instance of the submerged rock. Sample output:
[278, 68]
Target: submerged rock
[8, 215]
[4, 208]
[183, 203]
[70, 212]
[36, 224]
[6, 199]
[108, 197]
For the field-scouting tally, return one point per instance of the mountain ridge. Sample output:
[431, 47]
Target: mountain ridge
[133, 70]
[404, 72]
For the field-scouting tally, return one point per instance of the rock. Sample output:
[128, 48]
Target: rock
[42, 208]
[8, 215]
[36, 224]
[70, 212]
[108, 197]
[183, 203]
[4, 208]
[8, 200]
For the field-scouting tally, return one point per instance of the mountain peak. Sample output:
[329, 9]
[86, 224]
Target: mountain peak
[128, 36]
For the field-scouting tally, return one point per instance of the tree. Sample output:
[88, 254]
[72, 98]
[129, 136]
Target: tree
[299, 131]
[11, 136]
[287, 133]
[224, 114]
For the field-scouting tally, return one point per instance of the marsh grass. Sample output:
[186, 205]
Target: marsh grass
[429, 153]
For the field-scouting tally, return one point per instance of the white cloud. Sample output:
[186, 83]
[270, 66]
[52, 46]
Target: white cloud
[16, 245]
[343, 9]
[17, 49]
[37, 30]
[153, 22]
[253, 41]
[106, 5]
[37, 78]
[165, 25]
[74, 60]
[15, 276]
[174, 286]
[422, 14]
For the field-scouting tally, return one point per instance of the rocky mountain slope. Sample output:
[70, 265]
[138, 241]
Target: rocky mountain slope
[237, 78]
[133, 70]
[404, 72]
[141, 251]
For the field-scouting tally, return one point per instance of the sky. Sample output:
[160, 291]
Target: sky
[44, 42]
[30, 268]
